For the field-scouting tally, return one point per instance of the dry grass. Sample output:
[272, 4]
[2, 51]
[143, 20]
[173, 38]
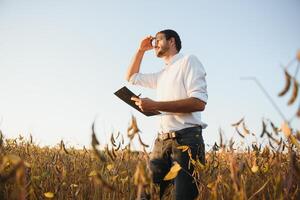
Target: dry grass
[28, 171]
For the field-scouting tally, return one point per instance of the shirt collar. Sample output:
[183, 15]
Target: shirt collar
[173, 59]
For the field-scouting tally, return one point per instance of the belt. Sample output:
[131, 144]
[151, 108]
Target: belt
[175, 134]
[166, 136]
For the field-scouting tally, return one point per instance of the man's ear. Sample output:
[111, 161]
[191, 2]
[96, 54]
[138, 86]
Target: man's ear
[172, 41]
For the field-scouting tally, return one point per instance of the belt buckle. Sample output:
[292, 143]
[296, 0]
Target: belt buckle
[172, 134]
[165, 136]
[168, 135]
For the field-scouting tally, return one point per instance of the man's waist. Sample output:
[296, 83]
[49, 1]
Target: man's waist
[180, 133]
[178, 122]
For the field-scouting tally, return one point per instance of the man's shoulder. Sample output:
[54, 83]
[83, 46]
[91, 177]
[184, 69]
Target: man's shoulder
[191, 60]
[190, 57]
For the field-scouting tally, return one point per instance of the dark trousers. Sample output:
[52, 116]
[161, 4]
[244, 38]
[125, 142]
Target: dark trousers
[166, 152]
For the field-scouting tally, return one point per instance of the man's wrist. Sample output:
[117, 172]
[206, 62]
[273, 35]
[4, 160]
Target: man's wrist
[141, 51]
[157, 105]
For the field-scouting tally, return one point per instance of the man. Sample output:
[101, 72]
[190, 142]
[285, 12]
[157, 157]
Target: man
[181, 96]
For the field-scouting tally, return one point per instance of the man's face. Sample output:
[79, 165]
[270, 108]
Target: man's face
[162, 46]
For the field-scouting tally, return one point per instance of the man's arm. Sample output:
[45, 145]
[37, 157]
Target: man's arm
[187, 105]
[134, 67]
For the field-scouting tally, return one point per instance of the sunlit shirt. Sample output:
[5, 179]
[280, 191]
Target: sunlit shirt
[181, 78]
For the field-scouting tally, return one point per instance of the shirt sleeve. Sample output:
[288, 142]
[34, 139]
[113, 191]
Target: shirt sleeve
[145, 80]
[194, 79]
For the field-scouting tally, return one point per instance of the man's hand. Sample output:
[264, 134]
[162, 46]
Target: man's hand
[146, 44]
[145, 104]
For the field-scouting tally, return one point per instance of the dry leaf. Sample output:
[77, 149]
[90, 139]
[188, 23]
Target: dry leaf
[295, 92]
[93, 173]
[254, 169]
[73, 185]
[286, 129]
[211, 185]
[245, 129]
[238, 123]
[49, 195]
[110, 167]
[183, 148]
[173, 172]
[287, 84]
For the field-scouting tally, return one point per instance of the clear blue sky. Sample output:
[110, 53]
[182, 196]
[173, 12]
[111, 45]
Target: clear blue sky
[61, 61]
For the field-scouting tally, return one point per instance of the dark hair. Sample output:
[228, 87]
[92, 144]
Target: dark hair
[172, 34]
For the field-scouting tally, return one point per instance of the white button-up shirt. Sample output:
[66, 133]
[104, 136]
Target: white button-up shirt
[181, 78]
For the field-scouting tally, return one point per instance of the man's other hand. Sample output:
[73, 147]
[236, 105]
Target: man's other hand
[145, 104]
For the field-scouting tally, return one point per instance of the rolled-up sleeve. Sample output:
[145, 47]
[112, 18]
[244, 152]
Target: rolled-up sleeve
[145, 80]
[194, 79]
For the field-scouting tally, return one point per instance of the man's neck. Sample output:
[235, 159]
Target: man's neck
[169, 56]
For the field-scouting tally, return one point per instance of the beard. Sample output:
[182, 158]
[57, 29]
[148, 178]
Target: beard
[162, 51]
